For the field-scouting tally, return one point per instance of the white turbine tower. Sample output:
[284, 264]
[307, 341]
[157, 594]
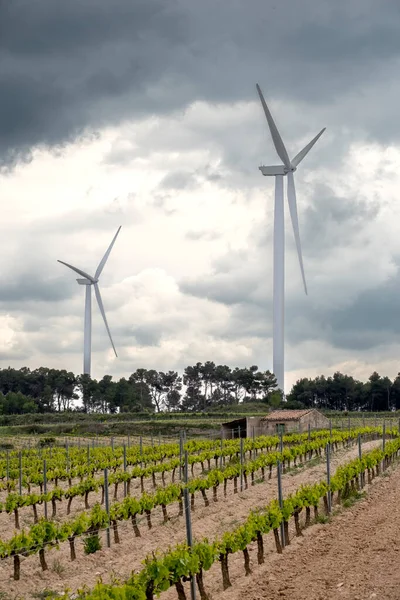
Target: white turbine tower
[90, 281]
[287, 168]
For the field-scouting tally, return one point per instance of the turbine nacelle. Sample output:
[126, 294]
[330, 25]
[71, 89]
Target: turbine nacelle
[86, 281]
[276, 170]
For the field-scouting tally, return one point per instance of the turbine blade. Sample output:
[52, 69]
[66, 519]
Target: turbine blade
[103, 314]
[105, 257]
[299, 157]
[79, 271]
[276, 138]
[291, 192]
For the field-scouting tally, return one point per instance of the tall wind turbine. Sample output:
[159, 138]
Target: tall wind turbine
[90, 281]
[287, 168]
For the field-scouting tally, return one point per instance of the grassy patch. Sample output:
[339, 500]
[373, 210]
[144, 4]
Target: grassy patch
[353, 498]
[323, 519]
[58, 567]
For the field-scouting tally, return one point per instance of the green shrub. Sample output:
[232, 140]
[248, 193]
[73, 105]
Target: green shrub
[47, 441]
[92, 544]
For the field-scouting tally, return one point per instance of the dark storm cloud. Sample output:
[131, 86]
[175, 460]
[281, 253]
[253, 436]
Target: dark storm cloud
[149, 334]
[232, 281]
[28, 287]
[371, 320]
[66, 67]
[366, 319]
[15, 354]
[332, 221]
[189, 180]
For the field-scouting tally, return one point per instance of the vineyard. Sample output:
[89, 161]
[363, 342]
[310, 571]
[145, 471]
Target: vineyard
[119, 512]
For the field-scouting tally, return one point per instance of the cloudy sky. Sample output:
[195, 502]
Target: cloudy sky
[144, 113]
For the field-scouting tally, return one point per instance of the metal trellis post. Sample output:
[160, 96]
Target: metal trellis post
[188, 519]
[45, 486]
[328, 475]
[280, 498]
[107, 505]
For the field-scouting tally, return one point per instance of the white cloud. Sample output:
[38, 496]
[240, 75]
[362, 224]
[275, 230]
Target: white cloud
[192, 206]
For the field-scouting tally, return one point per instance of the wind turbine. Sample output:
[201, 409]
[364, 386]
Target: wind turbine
[90, 281]
[287, 168]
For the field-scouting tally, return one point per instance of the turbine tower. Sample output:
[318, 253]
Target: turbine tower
[90, 281]
[286, 169]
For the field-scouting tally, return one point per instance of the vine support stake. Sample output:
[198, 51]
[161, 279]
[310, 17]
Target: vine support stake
[189, 535]
[280, 441]
[88, 454]
[254, 439]
[383, 443]
[280, 498]
[330, 427]
[8, 464]
[107, 503]
[309, 432]
[328, 476]
[45, 486]
[241, 464]
[180, 455]
[125, 483]
[360, 457]
[20, 473]
[141, 445]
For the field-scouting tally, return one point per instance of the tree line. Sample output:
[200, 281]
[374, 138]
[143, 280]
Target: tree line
[201, 387]
[343, 392]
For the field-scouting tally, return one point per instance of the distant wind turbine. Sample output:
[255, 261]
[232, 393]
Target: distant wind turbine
[90, 281]
[287, 168]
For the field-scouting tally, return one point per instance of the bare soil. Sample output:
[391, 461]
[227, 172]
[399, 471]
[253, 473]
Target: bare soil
[353, 557]
[119, 560]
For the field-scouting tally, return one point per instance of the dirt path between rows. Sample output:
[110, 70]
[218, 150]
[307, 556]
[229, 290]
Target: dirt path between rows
[354, 557]
[121, 559]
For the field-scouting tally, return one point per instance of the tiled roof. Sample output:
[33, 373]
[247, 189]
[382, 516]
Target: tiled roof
[286, 415]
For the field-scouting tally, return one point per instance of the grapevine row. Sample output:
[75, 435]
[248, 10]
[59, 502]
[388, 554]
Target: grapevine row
[48, 533]
[217, 476]
[179, 564]
[59, 471]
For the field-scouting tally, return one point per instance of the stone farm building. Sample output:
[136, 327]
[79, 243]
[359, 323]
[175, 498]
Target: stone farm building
[274, 422]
